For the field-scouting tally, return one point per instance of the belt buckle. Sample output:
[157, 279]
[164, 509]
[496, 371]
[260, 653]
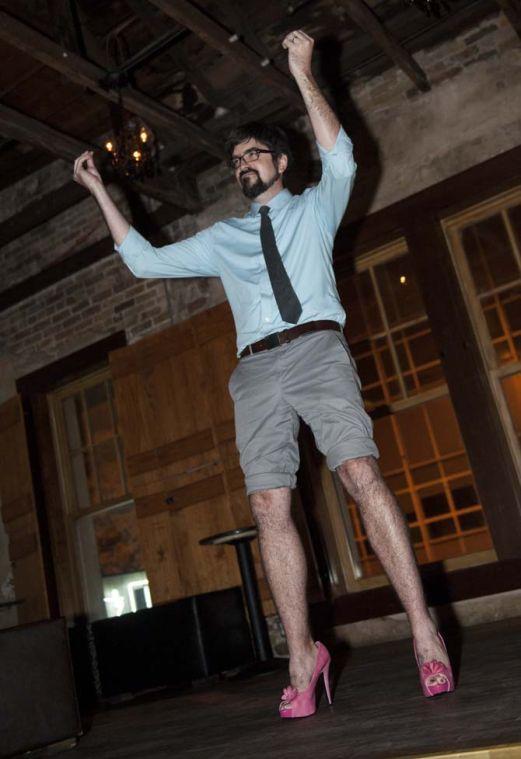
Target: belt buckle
[272, 341]
[283, 337]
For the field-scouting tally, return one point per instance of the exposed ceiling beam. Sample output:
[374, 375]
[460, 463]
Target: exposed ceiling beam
[512, 10]
[17, 165]
[364, 17]
[27, 129]
[88, 74]
[155, 22]
[219, 38]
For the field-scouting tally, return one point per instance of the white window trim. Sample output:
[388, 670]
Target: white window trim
[452, 226]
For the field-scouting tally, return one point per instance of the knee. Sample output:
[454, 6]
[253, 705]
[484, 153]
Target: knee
[360, 477]
[271, 508]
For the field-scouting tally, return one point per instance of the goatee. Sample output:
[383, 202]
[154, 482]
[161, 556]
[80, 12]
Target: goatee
[255, 188]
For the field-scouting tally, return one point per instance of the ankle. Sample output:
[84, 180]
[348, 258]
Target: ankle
[302, 652]
[425, 629]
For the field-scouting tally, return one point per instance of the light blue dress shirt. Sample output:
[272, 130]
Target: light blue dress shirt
[304, 225]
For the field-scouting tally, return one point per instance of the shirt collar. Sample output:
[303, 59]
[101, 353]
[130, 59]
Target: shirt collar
[278, 201]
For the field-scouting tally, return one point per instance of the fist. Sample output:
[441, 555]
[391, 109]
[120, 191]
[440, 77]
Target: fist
[300, 50]
[86, 173]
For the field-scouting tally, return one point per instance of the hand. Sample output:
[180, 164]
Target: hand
[88, 177]
[300, 50]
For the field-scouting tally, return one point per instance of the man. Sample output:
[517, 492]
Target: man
[275, 265]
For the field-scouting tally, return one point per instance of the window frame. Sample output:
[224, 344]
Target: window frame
[345, 576]
[452, 225]
[86, 580]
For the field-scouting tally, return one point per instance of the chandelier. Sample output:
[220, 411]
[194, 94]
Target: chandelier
[132, 150]
[132, 147]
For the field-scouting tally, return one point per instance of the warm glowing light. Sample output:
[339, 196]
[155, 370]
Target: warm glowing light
[403, 280]
[109, 146]
[136, 155]
[143, 135]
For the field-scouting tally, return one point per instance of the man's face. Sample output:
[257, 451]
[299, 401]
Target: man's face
[257, 176]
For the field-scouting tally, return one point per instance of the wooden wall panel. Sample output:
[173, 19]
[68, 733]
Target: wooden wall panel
[215, 335]
[19, 514]
[175, 469]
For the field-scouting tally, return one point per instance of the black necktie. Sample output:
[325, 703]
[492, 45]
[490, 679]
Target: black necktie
[287, 301]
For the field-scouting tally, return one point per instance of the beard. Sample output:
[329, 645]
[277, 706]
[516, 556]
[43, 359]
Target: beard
[253, 187]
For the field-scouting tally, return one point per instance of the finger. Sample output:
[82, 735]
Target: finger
[78, 161]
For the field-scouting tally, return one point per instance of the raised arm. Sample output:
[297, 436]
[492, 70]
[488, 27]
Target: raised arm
[323, 119]
[191, 257]
[86, 174]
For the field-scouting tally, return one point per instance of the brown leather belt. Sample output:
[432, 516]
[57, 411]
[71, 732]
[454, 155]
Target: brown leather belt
[287, 335]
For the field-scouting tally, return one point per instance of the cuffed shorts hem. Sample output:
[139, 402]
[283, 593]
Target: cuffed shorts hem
[355, 448]
[267, 481]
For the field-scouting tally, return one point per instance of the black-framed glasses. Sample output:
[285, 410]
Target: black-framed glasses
[249, 156]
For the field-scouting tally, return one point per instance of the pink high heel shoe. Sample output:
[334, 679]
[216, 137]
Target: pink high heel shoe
[435, 677]
[303, 703]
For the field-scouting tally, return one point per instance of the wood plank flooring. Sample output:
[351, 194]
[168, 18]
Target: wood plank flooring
[378, 710]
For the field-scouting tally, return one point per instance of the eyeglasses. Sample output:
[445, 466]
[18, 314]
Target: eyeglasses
[249, 156]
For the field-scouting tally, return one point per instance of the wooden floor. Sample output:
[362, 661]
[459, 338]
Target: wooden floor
[378, 711]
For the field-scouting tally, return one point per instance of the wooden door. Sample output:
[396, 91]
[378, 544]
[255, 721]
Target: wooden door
[175, 468]
[19, 514]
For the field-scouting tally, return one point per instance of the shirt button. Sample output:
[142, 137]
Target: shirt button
[267, 319]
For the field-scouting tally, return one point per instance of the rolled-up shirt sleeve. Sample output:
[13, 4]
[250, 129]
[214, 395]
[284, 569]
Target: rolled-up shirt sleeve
[188, 258]
[331, 194]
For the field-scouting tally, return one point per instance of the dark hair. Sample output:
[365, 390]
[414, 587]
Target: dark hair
[270, 135]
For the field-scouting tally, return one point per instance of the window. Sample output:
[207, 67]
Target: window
[486, 245]
[103, 530]
[423, 458]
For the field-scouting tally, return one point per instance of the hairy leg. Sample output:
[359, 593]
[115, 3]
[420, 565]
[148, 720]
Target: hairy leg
[389, 535]
[286, 571]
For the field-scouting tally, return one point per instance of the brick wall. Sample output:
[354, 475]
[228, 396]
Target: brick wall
[471, 114]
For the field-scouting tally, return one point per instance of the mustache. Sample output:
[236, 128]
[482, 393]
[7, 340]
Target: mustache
[248, 171]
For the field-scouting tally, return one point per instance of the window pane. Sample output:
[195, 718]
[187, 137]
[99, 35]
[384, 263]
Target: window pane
[75, 422]
[400, 294]
[364, 318]
[109, 475]
[98, 409]
[114, 576]
[117, 540]
[84, 480]
[489, 254]
[512, 390]
[503, 315]
[389, 333]
[418, 357]
[424, 462]
[94, 451]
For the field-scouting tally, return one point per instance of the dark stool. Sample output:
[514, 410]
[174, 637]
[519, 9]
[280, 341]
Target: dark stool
[241, 540]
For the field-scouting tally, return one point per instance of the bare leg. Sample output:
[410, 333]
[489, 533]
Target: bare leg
[389, 535]
[286, 571]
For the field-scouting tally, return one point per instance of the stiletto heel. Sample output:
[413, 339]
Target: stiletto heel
[303, 703]
[326, 682]
[435, 677]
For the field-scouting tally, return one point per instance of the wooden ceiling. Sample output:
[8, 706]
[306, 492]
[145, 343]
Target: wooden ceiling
[193, 70]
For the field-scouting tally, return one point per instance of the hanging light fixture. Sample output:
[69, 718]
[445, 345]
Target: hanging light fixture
[132, 147]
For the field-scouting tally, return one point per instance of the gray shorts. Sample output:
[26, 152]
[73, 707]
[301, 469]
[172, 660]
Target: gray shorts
[313, 377]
